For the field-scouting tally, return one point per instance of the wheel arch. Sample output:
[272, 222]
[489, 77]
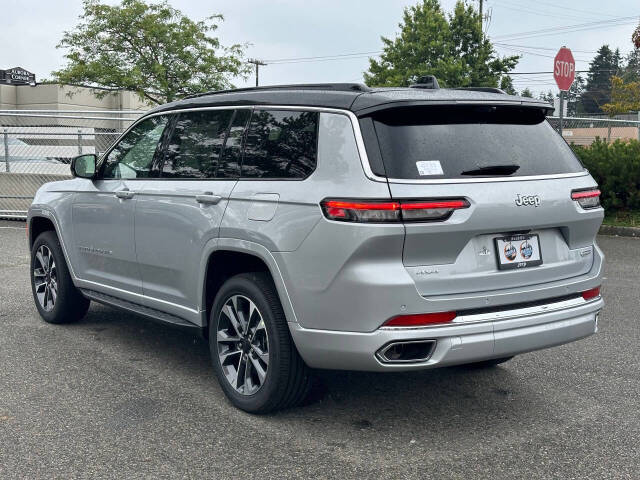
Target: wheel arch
[224, 258]
[41, 219]
[37, 225]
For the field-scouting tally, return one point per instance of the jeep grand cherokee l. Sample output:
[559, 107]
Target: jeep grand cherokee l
[330, 226]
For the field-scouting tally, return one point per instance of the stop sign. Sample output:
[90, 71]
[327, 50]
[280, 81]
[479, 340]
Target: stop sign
[564, 68]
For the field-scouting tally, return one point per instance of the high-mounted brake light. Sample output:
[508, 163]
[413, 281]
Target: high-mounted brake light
[380, 211]
[587, 198]
[592, 293]
[420, 319]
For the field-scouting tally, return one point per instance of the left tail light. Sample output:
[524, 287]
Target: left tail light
[421, 319]
[391, 211]
[587, 198]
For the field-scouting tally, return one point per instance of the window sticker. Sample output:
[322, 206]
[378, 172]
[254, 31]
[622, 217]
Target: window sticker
[431, 167]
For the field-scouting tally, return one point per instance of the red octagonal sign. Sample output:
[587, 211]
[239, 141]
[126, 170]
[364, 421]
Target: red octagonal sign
[564, 68]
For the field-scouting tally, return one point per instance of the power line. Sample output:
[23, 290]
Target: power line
[597, 14]
[577, 71]
[323, 57]
[534, 12]
[531, 47]
[532, 33]
[559, 30]
[538, 54]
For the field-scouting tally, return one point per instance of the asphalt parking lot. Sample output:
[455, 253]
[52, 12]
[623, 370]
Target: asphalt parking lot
[117, 396]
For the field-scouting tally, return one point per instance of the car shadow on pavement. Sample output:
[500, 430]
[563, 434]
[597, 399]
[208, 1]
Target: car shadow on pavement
[442, 400]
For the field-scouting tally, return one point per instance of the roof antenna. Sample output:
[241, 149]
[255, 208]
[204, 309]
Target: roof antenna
[428, 82]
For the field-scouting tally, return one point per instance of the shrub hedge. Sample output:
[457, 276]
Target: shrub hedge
[616, 168]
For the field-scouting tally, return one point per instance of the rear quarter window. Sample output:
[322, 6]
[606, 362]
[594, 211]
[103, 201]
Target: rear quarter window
[465, 141]
[281, 144]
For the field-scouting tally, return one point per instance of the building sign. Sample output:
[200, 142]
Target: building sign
[17, 76]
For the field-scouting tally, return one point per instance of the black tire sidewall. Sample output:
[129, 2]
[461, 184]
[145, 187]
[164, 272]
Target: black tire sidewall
[69, 303]
[273, 317]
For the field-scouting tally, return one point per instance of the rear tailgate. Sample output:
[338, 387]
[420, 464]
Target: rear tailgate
[517, 175]
[459, 255]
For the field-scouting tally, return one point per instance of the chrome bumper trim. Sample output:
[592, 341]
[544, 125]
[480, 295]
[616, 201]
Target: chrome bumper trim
[505, 314]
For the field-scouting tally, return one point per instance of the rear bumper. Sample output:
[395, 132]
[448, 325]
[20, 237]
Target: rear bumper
[475, 338]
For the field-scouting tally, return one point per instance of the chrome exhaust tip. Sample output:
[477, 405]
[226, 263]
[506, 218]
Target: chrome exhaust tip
[406, 351]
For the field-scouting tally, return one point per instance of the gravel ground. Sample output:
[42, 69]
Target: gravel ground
[117, 396]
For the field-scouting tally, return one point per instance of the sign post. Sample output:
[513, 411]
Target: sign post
[564, 72]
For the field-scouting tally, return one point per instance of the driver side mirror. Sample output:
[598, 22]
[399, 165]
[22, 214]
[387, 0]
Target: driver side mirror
[84, 166]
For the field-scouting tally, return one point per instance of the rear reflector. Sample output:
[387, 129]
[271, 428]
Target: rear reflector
[587, 198]
[593, 293]
[380, 212]
[420, 319]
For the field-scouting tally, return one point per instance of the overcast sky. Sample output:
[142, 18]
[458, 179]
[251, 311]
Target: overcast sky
[287, 29]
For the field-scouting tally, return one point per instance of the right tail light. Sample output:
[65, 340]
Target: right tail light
[591, 294]
[587, 198]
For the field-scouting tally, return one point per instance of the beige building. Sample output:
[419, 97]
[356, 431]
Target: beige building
[65, 97]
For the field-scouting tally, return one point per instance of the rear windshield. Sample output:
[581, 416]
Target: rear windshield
[469, 142]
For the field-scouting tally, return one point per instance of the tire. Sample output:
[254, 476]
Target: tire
[287, 379]
[56, 297]
[488, 363]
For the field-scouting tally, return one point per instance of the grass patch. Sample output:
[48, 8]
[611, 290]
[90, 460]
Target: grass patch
[623, 218]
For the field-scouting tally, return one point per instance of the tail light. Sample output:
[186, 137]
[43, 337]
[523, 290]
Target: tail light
[587, 198]
[592, 293]
[420, 319]
[394, 211]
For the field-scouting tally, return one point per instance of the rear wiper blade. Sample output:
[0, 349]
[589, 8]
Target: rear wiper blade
[493, 170]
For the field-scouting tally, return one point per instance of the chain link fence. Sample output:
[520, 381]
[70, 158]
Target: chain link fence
[36, 146]
[584, 131]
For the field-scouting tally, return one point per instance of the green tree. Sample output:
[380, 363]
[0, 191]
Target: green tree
[526, 93]
[506, 84]
[573, 97]
[547, 97]
[597, 92]
[451, 47]
[625, 97]
[631, 71]
[150, 48]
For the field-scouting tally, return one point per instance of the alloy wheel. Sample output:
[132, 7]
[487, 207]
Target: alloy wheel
[45, 278]
[243, 344]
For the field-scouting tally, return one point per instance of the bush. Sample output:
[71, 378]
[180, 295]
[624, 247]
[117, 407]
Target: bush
[616, 168]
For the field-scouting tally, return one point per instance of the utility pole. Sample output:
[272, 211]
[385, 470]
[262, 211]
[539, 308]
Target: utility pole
[481, 19]
[257, 63]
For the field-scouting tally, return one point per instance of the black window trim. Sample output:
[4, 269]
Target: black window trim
[355, 125]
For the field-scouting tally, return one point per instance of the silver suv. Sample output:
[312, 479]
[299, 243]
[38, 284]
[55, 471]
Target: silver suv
[330, 226]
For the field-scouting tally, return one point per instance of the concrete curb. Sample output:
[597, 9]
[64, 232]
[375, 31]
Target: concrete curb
[619, 231]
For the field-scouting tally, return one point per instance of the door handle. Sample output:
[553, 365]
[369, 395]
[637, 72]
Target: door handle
[124, 194]
[208, 198]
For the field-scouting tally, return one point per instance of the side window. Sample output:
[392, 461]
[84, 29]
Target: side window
[232, 155]
[196, 144]
[281, 144]
[134, 155]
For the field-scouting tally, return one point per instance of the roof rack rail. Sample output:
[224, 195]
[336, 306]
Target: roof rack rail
[482, 89]
[338, 87]
[429, 82]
